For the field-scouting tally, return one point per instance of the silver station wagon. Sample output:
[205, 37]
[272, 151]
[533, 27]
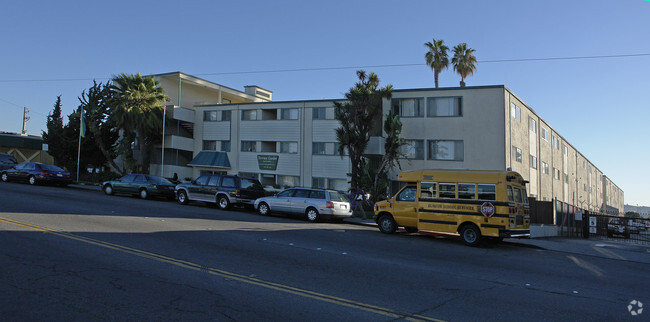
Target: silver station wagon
[315, 204]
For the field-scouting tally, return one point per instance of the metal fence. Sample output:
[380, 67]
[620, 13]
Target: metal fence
[632, 230]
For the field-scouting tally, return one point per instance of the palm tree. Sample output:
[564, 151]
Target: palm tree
[138, 108]
[436, 57]
[464, 62]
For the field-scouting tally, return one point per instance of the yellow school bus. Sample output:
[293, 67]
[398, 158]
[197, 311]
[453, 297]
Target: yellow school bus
[476, 204]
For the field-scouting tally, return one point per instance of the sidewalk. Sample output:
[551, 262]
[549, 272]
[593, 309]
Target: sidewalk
[619, 250]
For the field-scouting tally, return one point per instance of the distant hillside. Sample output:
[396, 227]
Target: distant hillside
[642, 210]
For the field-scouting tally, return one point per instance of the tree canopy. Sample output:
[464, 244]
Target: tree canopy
[464, 61]
[436, 57]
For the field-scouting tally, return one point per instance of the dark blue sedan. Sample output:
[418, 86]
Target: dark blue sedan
[35, 172]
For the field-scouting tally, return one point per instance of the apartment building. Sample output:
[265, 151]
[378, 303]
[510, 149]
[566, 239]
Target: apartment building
[212, 128]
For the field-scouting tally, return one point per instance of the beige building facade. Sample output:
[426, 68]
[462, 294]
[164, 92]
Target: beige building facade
[294, 142]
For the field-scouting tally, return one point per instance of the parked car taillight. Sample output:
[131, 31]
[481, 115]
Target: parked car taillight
[237, 193]
[329, 204]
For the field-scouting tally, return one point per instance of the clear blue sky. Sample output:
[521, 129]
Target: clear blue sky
[601, 106]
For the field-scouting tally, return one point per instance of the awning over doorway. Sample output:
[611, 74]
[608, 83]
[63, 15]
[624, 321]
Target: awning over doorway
[213, 159]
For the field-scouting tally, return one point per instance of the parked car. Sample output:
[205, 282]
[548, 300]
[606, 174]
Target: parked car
[143, 185]
[224, 190]
[7, 161]
[35, 172]
[313, 203]
[620, 227]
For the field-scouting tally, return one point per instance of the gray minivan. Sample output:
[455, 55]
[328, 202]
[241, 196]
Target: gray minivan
[313, 203]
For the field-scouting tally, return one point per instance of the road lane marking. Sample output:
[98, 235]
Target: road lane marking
[252, 280]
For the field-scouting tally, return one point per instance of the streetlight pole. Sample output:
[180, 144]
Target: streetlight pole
[162, 162]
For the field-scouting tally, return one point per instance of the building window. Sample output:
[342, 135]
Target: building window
[248, 175]
[288, 181]
[408, 107]
[532, 124]
[319, 113]
[515, 111]
[269, 146]
[446, 150]
[544, 167]
[289, 114]
[565, 149]
[517, 152]
[533, 162]
[210, 116]
[249, 115]
[225, 116]
[248, 146]
[545, 134]
[413, 149]
[338, 184]
[318, 148]
[566, 178]
[444, 106]
[556, 143]
[209, 145]
[225, 146]
[319, 183]
[556, 174]
[289, 147]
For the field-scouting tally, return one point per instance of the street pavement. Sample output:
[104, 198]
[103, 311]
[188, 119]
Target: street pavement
[625, 250]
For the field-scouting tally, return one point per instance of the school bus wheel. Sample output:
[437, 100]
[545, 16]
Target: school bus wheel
[471, 235]
[386, 224]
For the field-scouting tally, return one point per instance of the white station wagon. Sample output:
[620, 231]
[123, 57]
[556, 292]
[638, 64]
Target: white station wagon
[313, 203]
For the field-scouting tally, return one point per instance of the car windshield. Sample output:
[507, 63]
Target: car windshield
[49, 167]
[159, 180]
[337, 196]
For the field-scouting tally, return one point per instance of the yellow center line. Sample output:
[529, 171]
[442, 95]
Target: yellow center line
[228, 275]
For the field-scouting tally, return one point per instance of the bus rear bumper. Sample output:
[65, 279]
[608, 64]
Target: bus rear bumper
[514, 233]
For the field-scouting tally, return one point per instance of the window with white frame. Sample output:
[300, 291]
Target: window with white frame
[289, 147]
[446, 150]
[533, 162]
[318, 148]
[532, 125]
[288, 181]
[408, 107]
[444, 106]
[210, 116]
[319, 182]
[225, 116]
[544, 134]
[225, 145]
[289, 114]
[515, 111]
[517, 153]
[544, 167]
[209, 145]
[248, 146]
[249, 115]
[319, 113]
[565, 149]
[556, 143]
[413, 149]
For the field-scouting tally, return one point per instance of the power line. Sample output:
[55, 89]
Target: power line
[341, 68]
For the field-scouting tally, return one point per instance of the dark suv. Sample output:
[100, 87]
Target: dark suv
[7, 161]
[224, 190]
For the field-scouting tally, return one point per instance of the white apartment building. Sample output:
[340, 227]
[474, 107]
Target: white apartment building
[212, 128]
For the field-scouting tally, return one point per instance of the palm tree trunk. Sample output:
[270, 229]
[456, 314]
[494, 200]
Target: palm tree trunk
[435, 77]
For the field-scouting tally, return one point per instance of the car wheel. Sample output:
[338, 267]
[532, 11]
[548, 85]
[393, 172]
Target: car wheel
[182, 197]
[263, 209]
[32, 180]
[108, 189]
[223, 202]
[386, 224]
[4, 177]
[312, 215]
[144, 194]
[411, 230]
[471, 235]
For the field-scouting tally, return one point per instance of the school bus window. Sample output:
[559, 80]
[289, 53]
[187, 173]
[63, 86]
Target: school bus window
[525, 196]
[487, 192]
[447, 190]
[467, 191]
[407, 194]
[428, 190]
[517, 194]
[511, 198]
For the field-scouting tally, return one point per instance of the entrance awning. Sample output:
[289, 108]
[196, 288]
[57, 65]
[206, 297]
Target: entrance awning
[212, 159]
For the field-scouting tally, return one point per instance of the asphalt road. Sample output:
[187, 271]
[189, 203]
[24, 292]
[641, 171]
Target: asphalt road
[70, 254]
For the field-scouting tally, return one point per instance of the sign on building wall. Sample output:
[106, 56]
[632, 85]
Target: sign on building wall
[267, 162]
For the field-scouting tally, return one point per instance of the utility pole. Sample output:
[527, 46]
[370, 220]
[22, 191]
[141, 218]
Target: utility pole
[25, 119]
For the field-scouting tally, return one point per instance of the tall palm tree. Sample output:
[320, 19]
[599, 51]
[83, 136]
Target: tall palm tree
[464, 62]
[138, 108]
[437, 57]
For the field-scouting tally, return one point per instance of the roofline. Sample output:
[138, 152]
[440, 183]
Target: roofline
[194, 78]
